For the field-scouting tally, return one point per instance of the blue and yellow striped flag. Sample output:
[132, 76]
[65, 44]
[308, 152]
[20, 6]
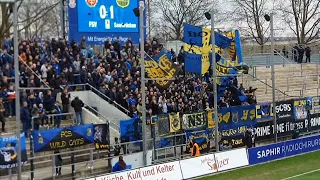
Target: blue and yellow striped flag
[198, 48]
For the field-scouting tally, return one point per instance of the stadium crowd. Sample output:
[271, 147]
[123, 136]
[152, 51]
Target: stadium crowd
[116, 74]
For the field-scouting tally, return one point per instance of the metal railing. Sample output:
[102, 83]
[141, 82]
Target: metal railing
[112, 124]
[109, 100]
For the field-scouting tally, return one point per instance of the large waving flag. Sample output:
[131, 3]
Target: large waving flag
[235, 50]
[160, 66]
[198, 48]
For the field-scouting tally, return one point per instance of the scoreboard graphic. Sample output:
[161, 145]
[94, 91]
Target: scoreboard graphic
[107, 16]
[99, 20]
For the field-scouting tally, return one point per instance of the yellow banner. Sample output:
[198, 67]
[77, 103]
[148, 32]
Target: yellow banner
[175, 123]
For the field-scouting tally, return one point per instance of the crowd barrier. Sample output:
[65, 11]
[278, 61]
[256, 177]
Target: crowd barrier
[218, 162]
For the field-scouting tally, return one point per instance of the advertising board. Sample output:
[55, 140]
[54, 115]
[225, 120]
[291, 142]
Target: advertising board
[198, 166]
[231, 159]
[167, 171]
[283, 149]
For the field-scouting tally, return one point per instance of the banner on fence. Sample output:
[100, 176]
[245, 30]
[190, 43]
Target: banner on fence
[242, 117]
[284, 109]
[130, 129]
[194, 121]
[315, 102]
[201, 138]
[210, 116]
[174, 122]
[231, 159]
[300, 109]
[198, 166]
[163, 125]
[101, 136]
[227, 143]
[264, 111]
[61, 138]
[168, 171]
[9, 149]
[283, 149]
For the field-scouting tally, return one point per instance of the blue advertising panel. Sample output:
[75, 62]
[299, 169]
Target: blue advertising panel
[283, 149]
[99, 20]
[62, 138]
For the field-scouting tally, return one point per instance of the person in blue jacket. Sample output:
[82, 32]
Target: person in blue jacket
[120, 165]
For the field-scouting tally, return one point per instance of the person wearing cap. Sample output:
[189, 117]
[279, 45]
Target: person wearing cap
[195, 151]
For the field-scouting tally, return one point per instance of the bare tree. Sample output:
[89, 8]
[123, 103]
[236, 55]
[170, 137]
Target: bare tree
[29, 11]
[303, 18]
[174, 13]
[251, 12]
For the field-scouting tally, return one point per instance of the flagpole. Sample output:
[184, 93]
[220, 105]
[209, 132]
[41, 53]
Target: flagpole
[143, 83]
[214, 84]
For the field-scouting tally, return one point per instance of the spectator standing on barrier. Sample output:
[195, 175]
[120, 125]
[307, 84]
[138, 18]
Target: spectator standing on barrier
[25, 118]
[120, 165]
[58, 162]
[77, 104]
[195, 151]
[248, 138]
[2, 119]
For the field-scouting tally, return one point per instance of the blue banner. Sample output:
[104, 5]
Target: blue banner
[264, 111]
[283, 149]
[240, 118]
[201, 138]
[8, 151]
[198, 48]
[130, 130]
[61, 138]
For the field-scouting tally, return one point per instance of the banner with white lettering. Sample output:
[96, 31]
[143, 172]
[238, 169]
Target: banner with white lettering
[167, 171]
[284, 109]
[265, 130]
[231, 159]
[283, 149]
[198, 166]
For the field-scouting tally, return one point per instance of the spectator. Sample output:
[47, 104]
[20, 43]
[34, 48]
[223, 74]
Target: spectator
[248, 138]
[36, 117]
[77, 104]
[57, 119]
[120, 165]
[116, 147]
[65, 100]
[58, 162]
[25, 118]
[2, 119]
[308, 54]
[48, 101]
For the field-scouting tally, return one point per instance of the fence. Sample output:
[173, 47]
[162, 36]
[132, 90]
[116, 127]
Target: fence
[213, 163]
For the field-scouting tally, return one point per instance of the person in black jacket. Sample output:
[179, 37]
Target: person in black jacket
[65, 98]
[48, 101]
[248, 138]
[77, 104]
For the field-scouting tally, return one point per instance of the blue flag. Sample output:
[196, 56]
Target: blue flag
[198, 48]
